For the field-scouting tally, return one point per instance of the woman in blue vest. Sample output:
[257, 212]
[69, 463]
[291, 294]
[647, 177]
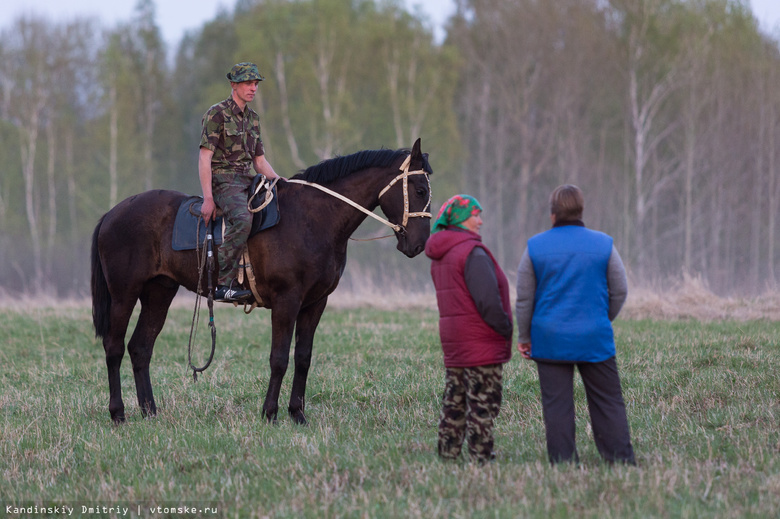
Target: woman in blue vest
[571, 284]
[475, 325]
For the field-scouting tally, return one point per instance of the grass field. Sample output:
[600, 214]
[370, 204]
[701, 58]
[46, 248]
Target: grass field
[703, 403]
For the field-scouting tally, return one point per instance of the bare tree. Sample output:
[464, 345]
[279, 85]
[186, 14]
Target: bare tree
[31, 92]
[149, 68]
[773, 184]
[524, 105]
[653, 76]
[765, 203]
[413, 78]
[696, 102]
[284, 104]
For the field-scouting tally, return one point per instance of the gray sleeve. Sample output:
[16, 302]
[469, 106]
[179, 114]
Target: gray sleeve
[482, 283]
[617, 284]
[526, 290]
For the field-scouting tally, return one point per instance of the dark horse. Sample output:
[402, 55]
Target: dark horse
[297, 263]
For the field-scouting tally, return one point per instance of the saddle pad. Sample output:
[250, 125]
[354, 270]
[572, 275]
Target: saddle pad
[186, 234]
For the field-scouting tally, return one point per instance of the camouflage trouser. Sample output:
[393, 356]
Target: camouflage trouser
[471, 401]
[231, 192]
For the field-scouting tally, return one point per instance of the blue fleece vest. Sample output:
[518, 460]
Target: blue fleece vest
[570, 321]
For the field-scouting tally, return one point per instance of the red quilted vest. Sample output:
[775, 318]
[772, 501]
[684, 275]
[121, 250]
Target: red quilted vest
[466, 338]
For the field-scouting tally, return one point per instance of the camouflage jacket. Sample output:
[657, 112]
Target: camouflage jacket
[232, 135]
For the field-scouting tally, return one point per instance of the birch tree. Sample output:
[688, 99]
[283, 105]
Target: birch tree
[149, 69]
[653, 68]
[31, 91]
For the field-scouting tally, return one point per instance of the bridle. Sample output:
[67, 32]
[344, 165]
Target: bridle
[403, 176]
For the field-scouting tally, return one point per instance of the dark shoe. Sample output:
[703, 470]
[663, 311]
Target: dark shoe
[231, 295]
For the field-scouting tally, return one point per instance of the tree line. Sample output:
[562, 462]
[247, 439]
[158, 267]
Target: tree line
[665, 112]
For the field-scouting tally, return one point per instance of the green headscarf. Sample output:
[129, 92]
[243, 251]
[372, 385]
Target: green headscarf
[455, 211]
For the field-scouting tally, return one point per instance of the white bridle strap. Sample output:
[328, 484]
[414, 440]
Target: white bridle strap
[395, 227]
[405, 168]
[405, 176]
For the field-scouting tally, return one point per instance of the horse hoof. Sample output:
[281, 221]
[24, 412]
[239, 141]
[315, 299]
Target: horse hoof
[299, 418]
[119, 419]
[148, 410]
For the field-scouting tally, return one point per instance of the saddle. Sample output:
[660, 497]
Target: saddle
[189, 227]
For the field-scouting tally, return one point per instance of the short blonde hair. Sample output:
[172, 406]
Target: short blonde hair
[567, 203]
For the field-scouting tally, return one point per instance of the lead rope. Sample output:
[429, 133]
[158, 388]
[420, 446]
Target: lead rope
[395, 227]
[208, 261]
[269, 194]
[403, 176]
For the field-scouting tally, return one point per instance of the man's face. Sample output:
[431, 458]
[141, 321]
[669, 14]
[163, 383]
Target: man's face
[245, 91]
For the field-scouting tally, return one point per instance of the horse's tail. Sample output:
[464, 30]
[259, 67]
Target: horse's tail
[101, 297]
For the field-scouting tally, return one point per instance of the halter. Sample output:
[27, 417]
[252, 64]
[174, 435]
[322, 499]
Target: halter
[403, 176]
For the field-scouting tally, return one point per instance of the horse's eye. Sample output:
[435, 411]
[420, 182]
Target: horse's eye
[422, 192]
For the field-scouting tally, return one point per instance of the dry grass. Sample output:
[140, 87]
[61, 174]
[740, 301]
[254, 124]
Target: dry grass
[691, 299]
[688, 298]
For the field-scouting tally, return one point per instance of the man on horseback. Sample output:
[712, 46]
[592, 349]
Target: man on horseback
[230, 146]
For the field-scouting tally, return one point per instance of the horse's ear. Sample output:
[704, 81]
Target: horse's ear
[418, 158]
[416, 149]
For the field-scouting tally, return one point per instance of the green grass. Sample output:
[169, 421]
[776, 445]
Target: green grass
[703, 404]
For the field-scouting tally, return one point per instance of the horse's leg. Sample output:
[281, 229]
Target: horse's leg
[155, 298]
[114, 346]
[283, 318]
[308, 319]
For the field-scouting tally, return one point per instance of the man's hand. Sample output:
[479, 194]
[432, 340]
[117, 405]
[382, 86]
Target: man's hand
[525, 349]
[208, 210]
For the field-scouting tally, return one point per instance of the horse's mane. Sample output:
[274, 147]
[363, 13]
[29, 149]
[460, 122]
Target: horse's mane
[333, 169]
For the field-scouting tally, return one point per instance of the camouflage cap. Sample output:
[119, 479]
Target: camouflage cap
[244, 71]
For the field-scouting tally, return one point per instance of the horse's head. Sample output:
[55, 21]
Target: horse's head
[406, 201]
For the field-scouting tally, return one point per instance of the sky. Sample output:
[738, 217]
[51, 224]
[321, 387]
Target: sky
[175, 17]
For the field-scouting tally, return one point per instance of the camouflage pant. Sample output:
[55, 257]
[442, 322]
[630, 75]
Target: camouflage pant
[471, 401]
[231, 192]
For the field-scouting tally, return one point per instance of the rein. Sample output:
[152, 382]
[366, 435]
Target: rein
[206, 260]
[269, 194]
[403, 176]
[395, 227]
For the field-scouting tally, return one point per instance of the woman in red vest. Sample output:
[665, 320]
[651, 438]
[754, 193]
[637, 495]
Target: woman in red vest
[475, 325]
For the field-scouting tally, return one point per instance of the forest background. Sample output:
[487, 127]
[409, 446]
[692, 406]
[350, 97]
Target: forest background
[665, 112]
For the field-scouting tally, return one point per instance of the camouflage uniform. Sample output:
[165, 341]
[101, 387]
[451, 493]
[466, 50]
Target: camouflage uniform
[471, 401]
[234, 137]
